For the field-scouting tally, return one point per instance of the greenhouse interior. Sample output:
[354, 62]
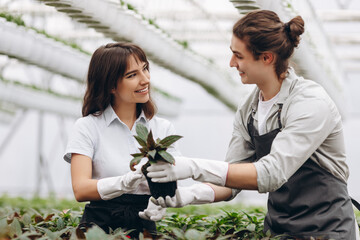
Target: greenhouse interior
[45, 50]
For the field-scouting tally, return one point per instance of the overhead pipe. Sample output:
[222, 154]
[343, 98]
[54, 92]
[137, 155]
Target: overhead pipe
[31, 99]
[245, 6]
[31, 47]
[34, 48]
[118, 23]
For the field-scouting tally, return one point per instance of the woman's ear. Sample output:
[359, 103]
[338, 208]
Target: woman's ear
[268, 57]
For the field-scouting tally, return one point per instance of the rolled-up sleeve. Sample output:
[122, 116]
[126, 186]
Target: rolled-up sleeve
[240, 147]
[307, 123]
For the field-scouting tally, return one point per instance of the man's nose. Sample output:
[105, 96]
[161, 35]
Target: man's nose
[232, 61]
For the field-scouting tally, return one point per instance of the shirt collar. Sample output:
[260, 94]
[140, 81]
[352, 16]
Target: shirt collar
[286, 86]
[110, 116]
[142, 118]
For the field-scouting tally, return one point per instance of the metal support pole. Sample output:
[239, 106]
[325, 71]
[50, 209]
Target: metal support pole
[40, 159]
[43, 171]
[12, 129]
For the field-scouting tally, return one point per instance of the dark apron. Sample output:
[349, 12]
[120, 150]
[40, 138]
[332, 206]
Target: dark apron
[118, 212]
[312, 203]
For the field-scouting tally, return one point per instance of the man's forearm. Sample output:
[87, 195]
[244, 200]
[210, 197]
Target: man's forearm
[221, 193]
[242, 176]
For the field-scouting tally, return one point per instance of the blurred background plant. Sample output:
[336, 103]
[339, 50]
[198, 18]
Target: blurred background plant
[51, 218]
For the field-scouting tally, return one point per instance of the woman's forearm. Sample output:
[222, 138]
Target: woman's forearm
[85, 188]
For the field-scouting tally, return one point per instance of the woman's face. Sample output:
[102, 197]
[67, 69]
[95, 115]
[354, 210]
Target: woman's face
[134, 86]
[250, 70]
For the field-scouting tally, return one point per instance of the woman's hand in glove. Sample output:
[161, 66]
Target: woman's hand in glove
[111, 187]
[153, 212]
[195, 194]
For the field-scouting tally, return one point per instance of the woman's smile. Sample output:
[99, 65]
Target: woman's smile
[143, 90]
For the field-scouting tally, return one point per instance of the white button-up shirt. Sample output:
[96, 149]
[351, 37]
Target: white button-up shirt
[109, 142]
[312, 128]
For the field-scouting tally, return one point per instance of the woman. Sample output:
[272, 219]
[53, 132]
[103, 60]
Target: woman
[116, 99]
[287, 140]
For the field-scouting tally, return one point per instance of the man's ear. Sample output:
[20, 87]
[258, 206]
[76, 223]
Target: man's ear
[268, 57]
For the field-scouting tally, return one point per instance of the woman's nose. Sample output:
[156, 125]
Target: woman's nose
[145, 77]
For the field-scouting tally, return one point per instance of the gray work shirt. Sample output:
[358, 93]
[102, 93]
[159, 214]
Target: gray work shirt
[311, 128]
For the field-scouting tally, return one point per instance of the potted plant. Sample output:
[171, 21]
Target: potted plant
[154, 151]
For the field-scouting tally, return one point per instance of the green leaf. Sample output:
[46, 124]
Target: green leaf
[51, 235]
[30, 235]
[141, 141]
[60, 224]
[150, 141]
[144, 150]
[16, 227]
[167, 156]
[251, 227]
[32, 228]
[142, 131]
[3, 224]
[178, 233]
[166, 142]
[193, 234]
[152, 153]
[137, 154]
[26, 219]
[152, 161]
[95, 233]
[135, 161]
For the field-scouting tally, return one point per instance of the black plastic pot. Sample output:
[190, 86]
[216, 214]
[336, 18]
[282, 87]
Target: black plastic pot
[159, 189]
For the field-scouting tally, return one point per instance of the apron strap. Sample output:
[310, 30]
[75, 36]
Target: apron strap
[279, 114]
[251, 120]
[355, 203]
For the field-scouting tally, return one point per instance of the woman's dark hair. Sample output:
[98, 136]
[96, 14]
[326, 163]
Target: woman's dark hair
[107, 66]
[263, 31]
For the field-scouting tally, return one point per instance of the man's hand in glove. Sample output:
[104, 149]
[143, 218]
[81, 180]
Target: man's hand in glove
[199, 169]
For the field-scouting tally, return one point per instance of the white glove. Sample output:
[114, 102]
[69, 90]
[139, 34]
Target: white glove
[152, 212]
[195, 194]
[199, 169]
[112, 187]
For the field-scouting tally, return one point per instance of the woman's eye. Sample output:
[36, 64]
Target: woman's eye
[131, 75]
